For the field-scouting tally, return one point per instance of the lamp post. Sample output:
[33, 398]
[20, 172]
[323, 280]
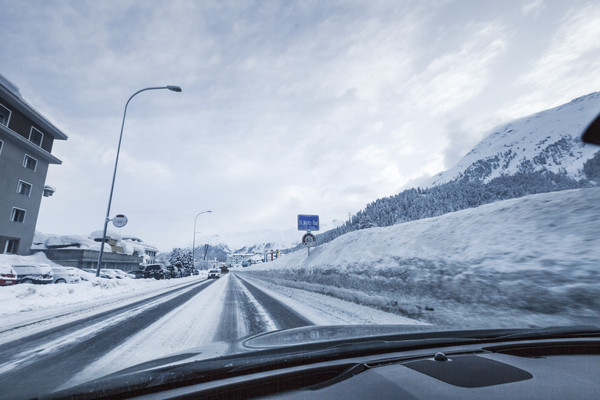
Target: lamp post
[112, 186]
[194, 240]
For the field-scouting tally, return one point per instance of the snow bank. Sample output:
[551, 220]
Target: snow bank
[530, 261]
[25, 298]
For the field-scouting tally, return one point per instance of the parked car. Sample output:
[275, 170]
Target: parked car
[139, 274]
[185, 272]
[36, 274]
[102, 274]
[157, 271]
[214, 274]
[64, 275]
[8, 276]
[174, 271]
[84, 274]
[122, 273]
[112, 273]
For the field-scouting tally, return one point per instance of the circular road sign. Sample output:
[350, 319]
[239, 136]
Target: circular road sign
[309, 240]
[119, 220]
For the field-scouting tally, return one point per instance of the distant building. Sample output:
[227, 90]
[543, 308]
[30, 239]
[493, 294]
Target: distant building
[82, 251]
[26, 140]
[85, 258]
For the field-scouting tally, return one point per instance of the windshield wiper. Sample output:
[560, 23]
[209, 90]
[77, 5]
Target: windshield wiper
[554, 332]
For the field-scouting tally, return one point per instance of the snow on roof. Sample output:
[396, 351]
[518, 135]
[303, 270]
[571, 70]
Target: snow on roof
[44, 241]
[97, 236]
[10, 86]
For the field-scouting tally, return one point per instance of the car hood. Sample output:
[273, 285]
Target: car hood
[291, 347]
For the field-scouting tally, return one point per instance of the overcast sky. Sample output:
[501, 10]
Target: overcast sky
[288, 107]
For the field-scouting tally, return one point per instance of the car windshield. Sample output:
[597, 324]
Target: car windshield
[215, 170]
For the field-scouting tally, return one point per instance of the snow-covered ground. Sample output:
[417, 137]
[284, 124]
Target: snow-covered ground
[28, 304]
[197, 323]
[533, 261]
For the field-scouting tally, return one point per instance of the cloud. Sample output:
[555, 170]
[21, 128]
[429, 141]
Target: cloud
[286, 106]
[455, 77]
[460, 141]
[533, 8]
[567, 67]
[576, 38]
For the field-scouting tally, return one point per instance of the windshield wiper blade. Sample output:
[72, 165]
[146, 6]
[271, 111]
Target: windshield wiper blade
[554, 332]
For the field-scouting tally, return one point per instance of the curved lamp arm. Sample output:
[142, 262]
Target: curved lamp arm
[172, 88]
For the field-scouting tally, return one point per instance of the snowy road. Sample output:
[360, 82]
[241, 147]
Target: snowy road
[212, 313]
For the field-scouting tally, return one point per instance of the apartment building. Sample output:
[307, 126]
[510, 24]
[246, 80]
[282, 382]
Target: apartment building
[26, 139]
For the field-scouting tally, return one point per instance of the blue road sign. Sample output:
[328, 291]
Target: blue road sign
[308, 222]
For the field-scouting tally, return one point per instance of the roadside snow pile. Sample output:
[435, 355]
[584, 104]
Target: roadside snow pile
[530, 261]
[34, 259]
[27, 297]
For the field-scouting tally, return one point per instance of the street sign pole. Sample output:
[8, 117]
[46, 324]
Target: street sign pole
[308, 223]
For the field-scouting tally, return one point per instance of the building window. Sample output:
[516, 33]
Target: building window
[1, 144]
[24, 188]
[30, 163]
[17, 215]
[4, 115]
[36, 136]
[11, 246]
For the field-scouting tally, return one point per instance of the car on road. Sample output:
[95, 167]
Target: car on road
[8, 276]
[36, 274]
[214, 274]
[65, 275]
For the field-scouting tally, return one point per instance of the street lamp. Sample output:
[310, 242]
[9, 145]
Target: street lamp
[172, 88]
[194, 240]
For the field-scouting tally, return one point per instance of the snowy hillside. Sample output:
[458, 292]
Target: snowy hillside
[528, 261]
[537, 154]
[548, 140]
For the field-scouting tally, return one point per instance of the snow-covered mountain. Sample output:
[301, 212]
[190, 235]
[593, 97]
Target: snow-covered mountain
[548, 140]
[257, 241]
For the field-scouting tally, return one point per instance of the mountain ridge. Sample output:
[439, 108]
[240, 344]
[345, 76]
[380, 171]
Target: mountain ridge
[548, 140]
